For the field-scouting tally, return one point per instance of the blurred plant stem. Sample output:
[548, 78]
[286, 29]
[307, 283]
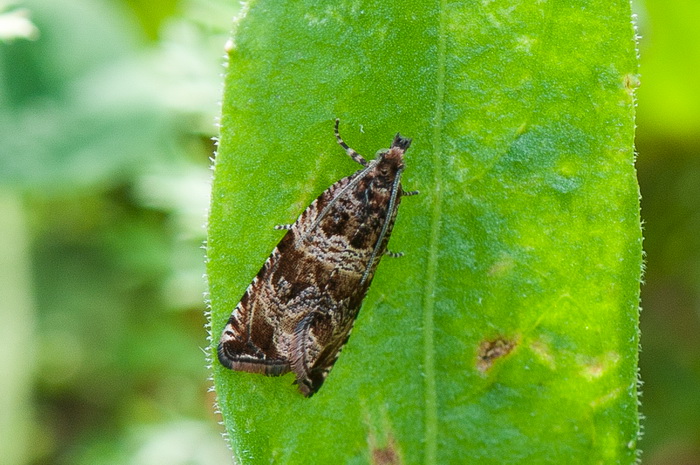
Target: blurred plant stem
[16, 331]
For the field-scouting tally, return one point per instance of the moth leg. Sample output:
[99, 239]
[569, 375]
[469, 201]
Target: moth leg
[351, 153]
[391, 254]
[284, 226]
[409, 193]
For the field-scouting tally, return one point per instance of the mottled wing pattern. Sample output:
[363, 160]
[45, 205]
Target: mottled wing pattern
[298, 312]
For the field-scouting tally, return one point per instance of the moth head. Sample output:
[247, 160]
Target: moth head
[402, 143]
[393, 157]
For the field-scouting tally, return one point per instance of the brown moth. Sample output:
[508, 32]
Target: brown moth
[298, 312]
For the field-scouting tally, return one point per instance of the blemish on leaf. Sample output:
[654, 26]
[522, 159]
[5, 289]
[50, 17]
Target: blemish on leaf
[504, 264]
[598, 366]
[491, 350]
[594, 370]
[607, 398]
[543, 352]
[631, 82]
[386, 455]
[381, 442]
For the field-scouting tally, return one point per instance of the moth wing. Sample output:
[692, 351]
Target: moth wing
[248, 342]
[316, 345]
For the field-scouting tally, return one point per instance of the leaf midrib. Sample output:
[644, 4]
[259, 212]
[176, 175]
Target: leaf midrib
[431, 419]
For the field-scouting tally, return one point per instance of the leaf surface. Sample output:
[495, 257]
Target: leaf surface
[508, 331]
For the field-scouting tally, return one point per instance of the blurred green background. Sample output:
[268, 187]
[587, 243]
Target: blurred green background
[107, 110]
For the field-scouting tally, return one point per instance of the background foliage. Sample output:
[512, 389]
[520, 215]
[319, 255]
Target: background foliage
[106, 112]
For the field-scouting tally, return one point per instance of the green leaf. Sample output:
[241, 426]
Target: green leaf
[508, 331]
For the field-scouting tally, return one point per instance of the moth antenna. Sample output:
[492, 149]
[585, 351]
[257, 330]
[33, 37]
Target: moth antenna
[351, 153]
[409, 193]
[284, 226]
[391, 254]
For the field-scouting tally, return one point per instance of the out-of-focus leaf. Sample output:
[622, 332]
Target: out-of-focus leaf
[669, 100]
[75, 107]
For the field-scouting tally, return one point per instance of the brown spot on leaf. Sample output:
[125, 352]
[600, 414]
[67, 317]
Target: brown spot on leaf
[387, 455]
[493, 349]
[383, 448]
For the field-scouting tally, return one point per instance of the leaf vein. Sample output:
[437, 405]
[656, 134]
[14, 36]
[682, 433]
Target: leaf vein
[431, 417]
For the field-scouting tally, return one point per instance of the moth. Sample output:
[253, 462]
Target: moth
[298, 312]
